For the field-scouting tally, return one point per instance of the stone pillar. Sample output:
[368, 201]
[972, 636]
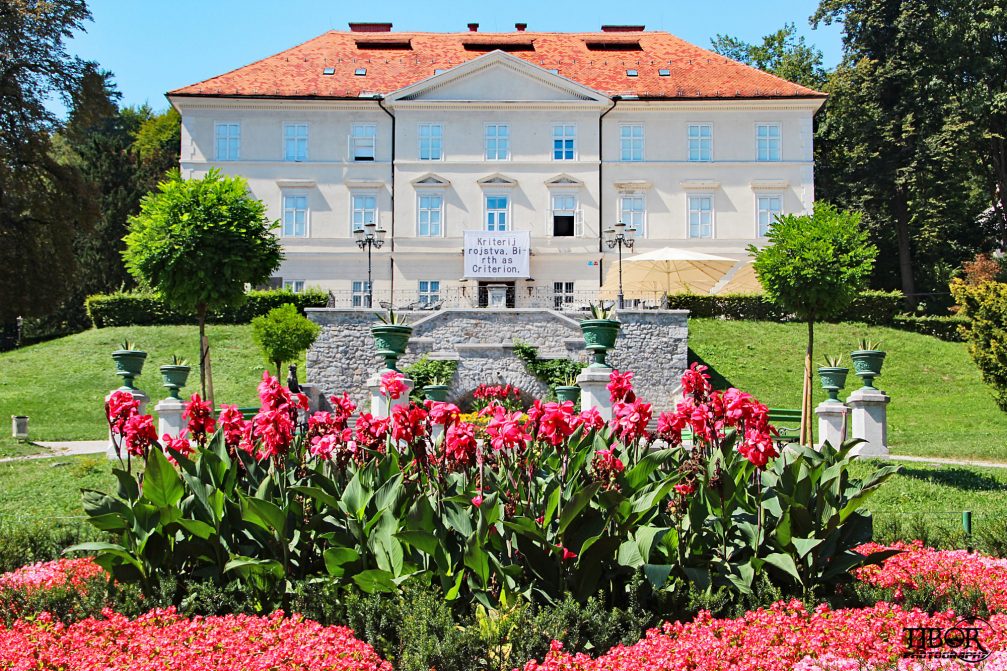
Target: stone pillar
[169, 417]
[142, 399]
[870, 421]
[381, 406]
[593, 383]
[831, 423]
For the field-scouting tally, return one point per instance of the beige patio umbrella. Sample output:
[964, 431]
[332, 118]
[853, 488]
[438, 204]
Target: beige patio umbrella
[668, 270]
[744, 281]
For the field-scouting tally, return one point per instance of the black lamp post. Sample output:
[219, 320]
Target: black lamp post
[367, 237]
[620, 236]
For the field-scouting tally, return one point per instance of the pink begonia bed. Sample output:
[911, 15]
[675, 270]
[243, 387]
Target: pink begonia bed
[782, 637]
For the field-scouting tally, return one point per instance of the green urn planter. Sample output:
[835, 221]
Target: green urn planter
[174, 378]
[599, 338]
[833, 380]
[390, 341]
[568, 393]
[867, 364]
[436, 392]
[128, 365]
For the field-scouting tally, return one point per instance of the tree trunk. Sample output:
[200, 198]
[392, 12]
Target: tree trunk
[905, 250]
[807, 433]
[279, 368]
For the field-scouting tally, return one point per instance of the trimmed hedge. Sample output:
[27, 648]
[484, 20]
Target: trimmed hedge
[148, 309]
[871, 307]
[938, 326]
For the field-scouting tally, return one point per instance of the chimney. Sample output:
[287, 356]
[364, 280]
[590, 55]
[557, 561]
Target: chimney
[473, 27]
[520, 27]
[622, 29]
[370, 27]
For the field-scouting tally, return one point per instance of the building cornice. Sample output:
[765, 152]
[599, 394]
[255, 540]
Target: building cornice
[270, 104]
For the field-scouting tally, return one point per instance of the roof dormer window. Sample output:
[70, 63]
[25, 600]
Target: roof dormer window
[632, 73]
[360, 72]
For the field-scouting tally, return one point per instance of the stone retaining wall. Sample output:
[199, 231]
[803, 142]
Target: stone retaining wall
[652, 343]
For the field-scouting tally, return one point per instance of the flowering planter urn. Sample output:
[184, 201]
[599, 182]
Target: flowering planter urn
[833, 380]
[128, 365]
[436, 392]
[390, 341]
[599, 338]
[174, 378]
[867, 364]
[568, 393]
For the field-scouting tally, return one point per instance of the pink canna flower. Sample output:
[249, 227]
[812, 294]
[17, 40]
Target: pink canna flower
[506, 431]
[442, 413]
[620, 388]
[180, 444]
[460, 446]
[392, 385]
[232, 424]
[139, 434]
[629, 420]
[409, 423]
[477, 500]
[119, 408]
[199, 413]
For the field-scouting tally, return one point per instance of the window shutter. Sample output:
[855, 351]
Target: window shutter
[578, 225]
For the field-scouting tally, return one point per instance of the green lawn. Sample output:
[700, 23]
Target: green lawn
[939, 407]
[61, 384]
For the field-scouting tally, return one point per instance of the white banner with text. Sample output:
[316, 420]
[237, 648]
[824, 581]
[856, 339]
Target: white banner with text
[497, 255]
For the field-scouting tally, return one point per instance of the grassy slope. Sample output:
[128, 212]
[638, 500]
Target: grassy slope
[939, 405]
[61, 384]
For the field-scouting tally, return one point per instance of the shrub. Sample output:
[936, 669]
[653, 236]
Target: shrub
[146, 309]
[879, 308]
[428, 371]
[985, 307]
[947, 328]
[552, 372]
[24, 544]
[282, 334]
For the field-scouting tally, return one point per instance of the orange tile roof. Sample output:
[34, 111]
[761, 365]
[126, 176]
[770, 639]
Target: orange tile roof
[694, 72]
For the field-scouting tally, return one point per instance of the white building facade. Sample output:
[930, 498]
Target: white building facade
[511, 138]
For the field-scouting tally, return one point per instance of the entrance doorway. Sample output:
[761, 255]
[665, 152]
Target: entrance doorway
[496, 294]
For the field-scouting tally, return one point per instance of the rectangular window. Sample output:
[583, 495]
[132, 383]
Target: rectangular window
[770, 207]
[297, 286]
[497, 142]
[363, 139]
[767, 141]
[631, 142]
[496, 213]
[562, 294]
[564, 215]
[295, 142]
[365, 209]
[700, 142]
[295, 215]
[430, 292]
[700, 216]
[360, 294]
[429, 213]
[228, 141]
[633, 213]
[564, 142]
[431, 135]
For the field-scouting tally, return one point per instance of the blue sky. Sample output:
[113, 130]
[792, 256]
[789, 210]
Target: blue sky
[152, 46]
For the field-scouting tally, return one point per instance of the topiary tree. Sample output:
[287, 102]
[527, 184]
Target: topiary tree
[984, 306]
[282, 334]
[814, 266]
[198, 243]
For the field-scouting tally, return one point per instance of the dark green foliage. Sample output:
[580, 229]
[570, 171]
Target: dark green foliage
[783, 53]
[283, 334]
[947, 328]
[25, 544]
[429, 371]
[553, 372]
[67, 604]
[127, 308]
[870, 307]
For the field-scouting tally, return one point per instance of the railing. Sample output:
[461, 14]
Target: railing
[476, 296]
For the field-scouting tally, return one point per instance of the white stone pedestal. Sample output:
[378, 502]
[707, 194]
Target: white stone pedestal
[593, 383]
[831, 423]
[381, 406]
[142, 399]
[169, 417]
[870, 421]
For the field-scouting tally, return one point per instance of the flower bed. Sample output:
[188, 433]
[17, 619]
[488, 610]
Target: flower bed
[780, 638]
[163, 639]
[943, 571]
[51, 575]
